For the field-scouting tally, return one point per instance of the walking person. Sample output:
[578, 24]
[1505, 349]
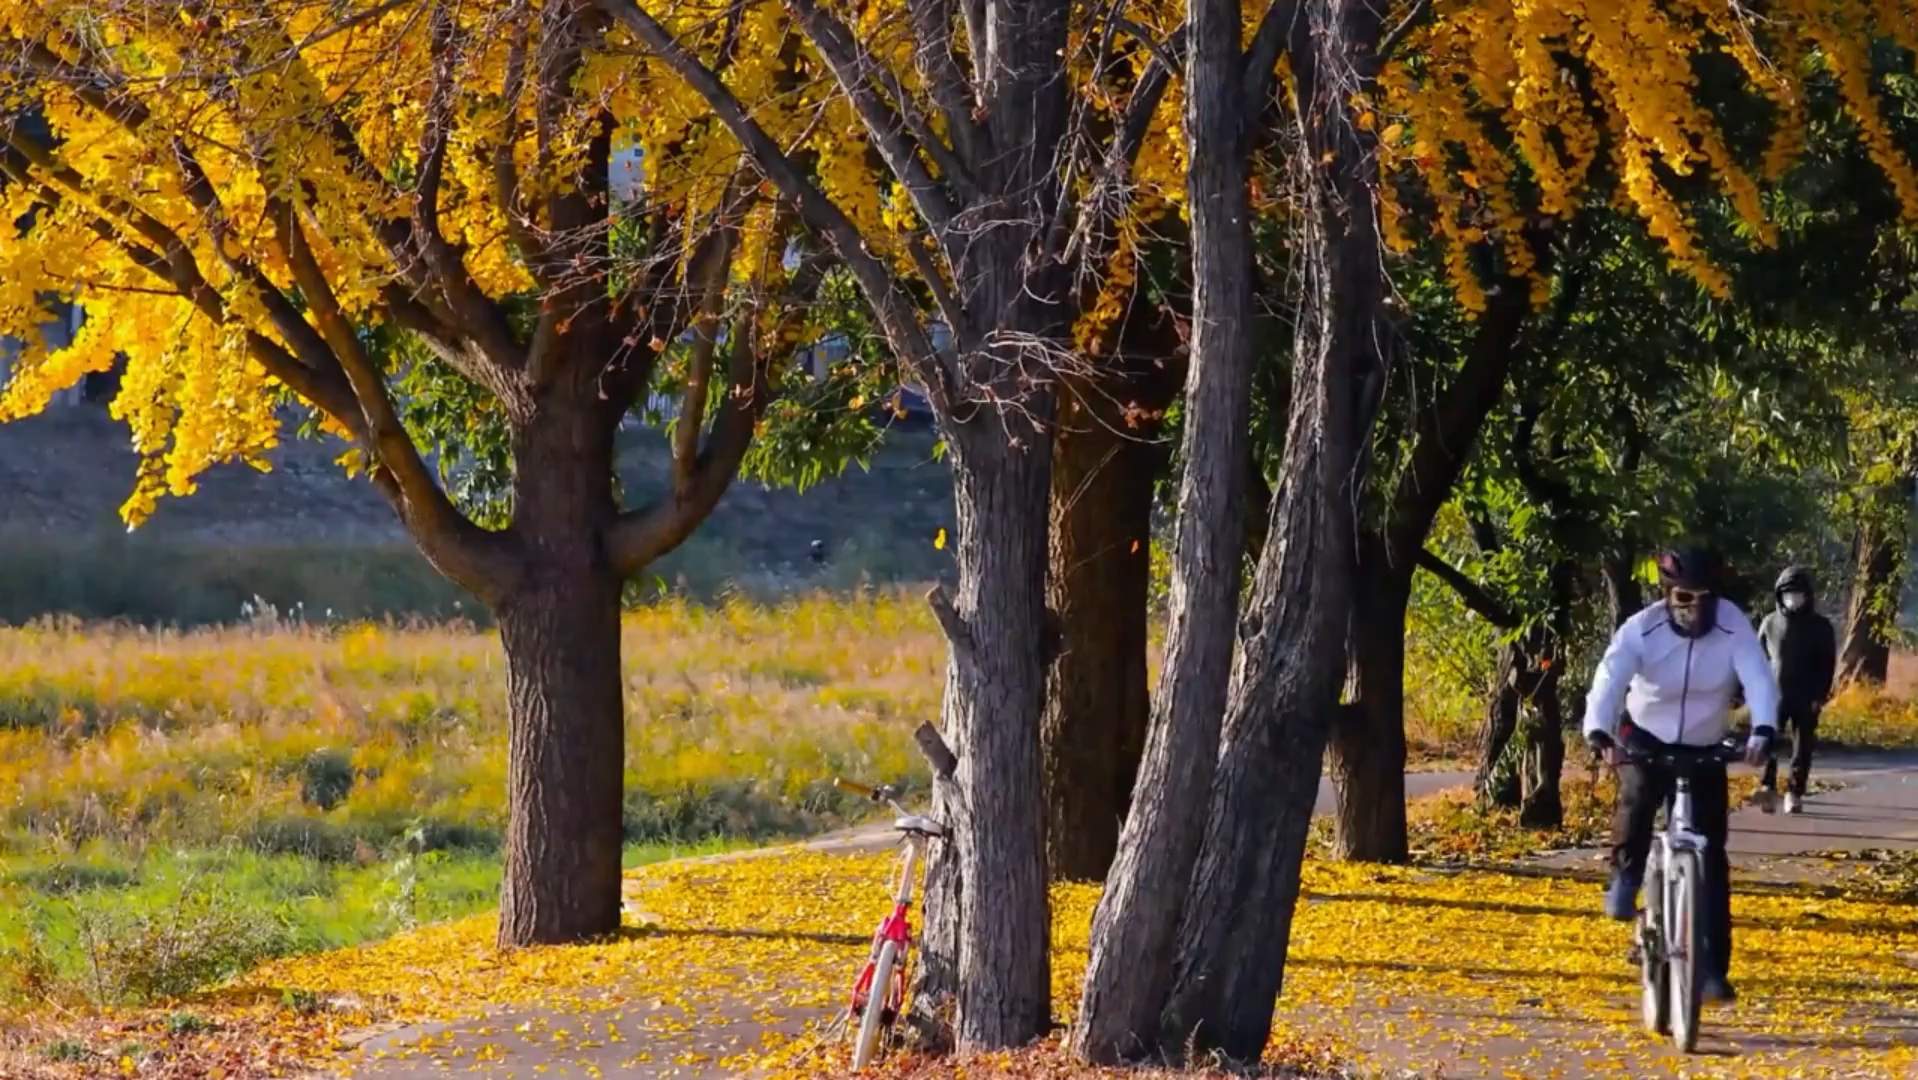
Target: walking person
[1673, 667]
[1803, 649]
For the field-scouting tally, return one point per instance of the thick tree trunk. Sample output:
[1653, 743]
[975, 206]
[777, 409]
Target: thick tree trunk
[566, 730]
[1368, 742]
[1865, 655]
[1097, 700]
[1134, 929]
[1233, 939]
[992, 874]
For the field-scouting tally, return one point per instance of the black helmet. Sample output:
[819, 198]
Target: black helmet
[1794, 579]
[1689, 566]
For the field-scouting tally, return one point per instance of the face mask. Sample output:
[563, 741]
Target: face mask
[1793, 601]
[1691, 613]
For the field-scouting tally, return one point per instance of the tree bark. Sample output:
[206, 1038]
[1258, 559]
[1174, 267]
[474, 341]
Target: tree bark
[566, 730]
[1368, 742]
[1494, 784]
[1237, 920]
[1097, 698]
[1368, 751]
[1130, 970]
[1542, 734]
[1866, 655]
[992, 875]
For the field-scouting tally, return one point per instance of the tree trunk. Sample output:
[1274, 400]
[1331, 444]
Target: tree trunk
[1540, 805]
[1368, 742]
[1623, 598]
[995, 865]
[1495, 784]
[1097, 697]
[566, 729]
[1866, 655]
[1233, 939]
[1542, 734]
[1134, 928]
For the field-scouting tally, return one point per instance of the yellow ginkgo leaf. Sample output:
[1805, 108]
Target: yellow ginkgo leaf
[939, 540]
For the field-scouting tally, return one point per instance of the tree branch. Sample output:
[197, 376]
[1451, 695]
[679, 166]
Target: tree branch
[1262, 56]
[1471, 592]
[640, 536]
[709, 282]
[455, 546]
[891, 126]
[897, 313]
[939, 69]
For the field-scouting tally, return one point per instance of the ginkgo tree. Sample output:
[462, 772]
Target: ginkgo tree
[1493, 121]
[253, 201]
[1015, 153]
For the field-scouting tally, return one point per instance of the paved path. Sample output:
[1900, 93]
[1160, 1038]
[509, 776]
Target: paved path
[1877, 807]
[1874, 807]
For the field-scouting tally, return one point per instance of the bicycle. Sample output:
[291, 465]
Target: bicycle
[1670, 940]
[883, 978]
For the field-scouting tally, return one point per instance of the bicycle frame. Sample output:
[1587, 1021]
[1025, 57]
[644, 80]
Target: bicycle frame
[897, 928]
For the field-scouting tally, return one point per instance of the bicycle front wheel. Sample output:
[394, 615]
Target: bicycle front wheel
[872, 1021]
[1687, 942]
[1654, 976]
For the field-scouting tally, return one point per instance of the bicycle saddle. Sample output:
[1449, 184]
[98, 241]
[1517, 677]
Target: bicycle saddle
[915, 823]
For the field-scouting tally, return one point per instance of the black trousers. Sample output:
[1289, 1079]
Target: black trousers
[1642, 790]
[1802, 719]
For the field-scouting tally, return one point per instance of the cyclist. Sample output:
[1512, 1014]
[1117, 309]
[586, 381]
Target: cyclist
[1673, 667]
[1804, 655]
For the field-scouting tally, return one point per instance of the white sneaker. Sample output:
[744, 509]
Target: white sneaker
[1792, 804]
[1766, 799]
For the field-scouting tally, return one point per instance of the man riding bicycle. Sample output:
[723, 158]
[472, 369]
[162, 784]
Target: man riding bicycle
[1672, 667]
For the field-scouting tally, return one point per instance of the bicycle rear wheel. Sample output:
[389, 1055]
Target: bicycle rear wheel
[873, 1019]
[1654, 976]
[1686, 948]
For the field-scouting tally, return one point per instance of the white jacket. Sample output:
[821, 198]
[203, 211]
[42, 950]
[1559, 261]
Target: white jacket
[1679, 689]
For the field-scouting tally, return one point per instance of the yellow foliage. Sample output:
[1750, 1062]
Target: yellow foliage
[782, 935]
[1563, 78]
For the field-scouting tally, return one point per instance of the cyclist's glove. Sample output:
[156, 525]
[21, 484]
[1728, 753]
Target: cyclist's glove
[1599, 741]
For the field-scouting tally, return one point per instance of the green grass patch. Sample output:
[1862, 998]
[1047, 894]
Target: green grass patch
[125, 929]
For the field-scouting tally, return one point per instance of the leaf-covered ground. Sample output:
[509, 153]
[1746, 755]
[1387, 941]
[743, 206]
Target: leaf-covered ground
[1390, 968]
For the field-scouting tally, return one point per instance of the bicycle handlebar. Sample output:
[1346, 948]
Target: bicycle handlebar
[884, 793]
[1725, 752]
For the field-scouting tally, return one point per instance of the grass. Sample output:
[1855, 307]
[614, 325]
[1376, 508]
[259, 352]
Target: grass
[313, 776]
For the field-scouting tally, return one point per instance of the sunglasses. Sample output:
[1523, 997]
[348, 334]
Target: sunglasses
[1689, 597]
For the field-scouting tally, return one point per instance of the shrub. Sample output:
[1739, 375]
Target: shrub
[197, 941]
[326, 779]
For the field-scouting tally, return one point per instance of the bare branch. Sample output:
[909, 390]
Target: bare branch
[896, 311]
[858, 74]
[939, 69]
[1421, 11]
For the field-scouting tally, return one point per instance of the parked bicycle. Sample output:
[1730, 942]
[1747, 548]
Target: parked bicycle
[879, 993]
[1670, 940]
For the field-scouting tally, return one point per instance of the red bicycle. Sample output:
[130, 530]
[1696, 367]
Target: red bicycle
[879, 994]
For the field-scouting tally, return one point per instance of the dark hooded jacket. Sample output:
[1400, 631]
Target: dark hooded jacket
[1803, 649]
